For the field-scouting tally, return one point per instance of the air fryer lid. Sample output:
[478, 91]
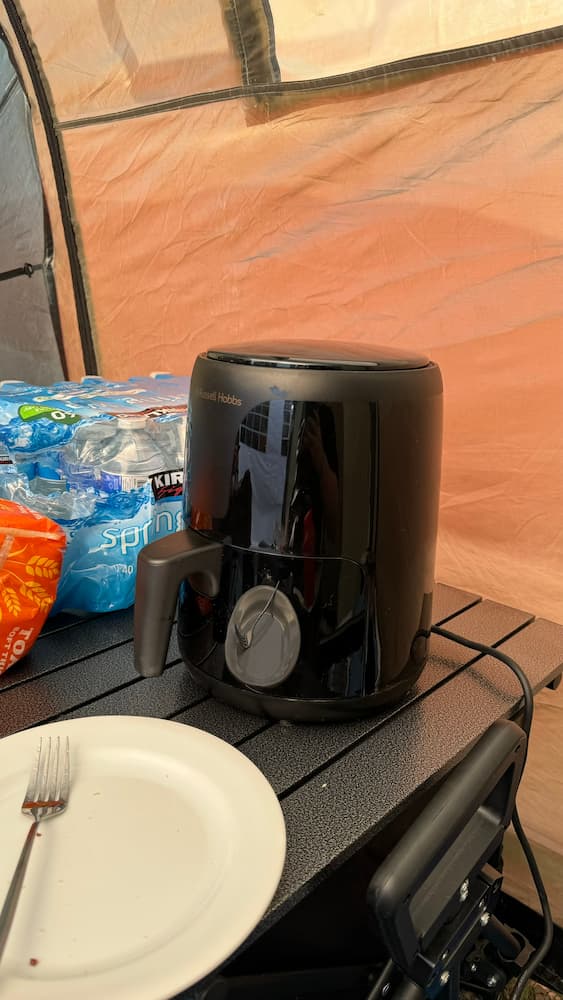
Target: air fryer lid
[318, 355]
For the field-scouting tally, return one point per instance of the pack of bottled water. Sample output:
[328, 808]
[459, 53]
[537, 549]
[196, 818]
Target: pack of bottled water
[105, 461]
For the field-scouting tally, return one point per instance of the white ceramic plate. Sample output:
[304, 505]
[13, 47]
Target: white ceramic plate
[165, 860]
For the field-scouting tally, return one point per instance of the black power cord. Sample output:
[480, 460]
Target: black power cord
[541, 951]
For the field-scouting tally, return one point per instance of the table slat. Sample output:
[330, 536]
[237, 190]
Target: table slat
[154, 697]
[449, 601]
[70, 645]
[65, 620]
[223, 721]
[50, 695]
[488, 622]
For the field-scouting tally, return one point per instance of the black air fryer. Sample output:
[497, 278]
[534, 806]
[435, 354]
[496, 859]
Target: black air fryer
[305, 574]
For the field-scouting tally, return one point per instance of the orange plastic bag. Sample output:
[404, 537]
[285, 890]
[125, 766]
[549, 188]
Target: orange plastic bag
[31, 554]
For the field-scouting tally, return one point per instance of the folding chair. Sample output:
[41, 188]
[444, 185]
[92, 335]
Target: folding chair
[435, 894]
[433, 897]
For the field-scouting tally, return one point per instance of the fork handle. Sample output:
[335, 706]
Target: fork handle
[11, 901]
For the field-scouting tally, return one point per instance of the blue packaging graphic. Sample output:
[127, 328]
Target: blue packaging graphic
[105, 461]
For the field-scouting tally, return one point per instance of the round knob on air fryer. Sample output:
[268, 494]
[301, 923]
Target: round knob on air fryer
[275, 643]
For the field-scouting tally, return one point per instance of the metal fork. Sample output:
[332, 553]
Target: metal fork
[46, 796]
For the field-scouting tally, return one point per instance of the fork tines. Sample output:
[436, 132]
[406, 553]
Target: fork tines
[49, 782]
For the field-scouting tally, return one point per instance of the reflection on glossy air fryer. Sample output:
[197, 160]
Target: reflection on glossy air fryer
[280, 488]
[316, 501]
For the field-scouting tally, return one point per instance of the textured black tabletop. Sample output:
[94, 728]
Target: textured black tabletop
[338, 784]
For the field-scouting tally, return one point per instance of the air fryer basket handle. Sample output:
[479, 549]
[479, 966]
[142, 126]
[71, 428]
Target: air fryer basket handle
[161, 567]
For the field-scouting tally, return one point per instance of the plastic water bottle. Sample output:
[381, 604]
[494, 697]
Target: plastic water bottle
[81, 457]
[48, 466]
[131, 456]
[170, 432]
[14, 387]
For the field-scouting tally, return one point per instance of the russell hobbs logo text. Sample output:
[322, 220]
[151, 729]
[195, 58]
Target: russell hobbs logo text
[220, 397]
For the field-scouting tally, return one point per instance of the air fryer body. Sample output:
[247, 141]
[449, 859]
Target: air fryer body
[320, 476]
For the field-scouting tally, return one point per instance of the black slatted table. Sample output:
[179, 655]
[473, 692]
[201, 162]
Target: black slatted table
[338, 784]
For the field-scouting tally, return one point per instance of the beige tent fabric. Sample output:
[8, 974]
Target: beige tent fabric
[111, 55]
[106, 56]
[337, 213]
[428, 217]
[502, 483]
[314, 34]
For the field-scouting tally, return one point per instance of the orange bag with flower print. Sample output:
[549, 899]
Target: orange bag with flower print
[31, 554]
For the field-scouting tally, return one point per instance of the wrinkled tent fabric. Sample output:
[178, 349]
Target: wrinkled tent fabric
[387, 172]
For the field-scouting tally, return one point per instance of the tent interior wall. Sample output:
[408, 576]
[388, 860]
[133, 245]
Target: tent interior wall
[178, 174]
